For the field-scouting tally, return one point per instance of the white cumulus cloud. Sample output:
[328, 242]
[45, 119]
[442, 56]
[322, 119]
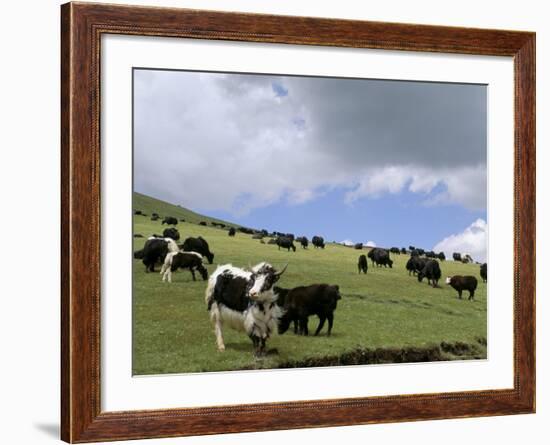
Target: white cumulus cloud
[235, 142]
[472, 240]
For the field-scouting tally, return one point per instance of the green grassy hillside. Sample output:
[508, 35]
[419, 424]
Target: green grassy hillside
[384, 316]
[150, 205]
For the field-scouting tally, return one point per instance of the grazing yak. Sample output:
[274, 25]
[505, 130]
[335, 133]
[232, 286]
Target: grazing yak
[155, 251]
[286, 243]
[182, 219]
[138, 235]
[303, 301]
[244, 300]
[380, 257]
[170, 220]
[362, 264]
[138, 212]
[257, 236]
[171, 232]
[483, 272]
[457, 256]
[395, 250]
[441, 256]
[460, 283]
[415, 264]
[246, 230]
[431, 271]
[404, 251]
[155, 218]
[430, 254]
[183, 260]
[358, 246]
[467, 259]
[318, 241]
[232, 231]
[198, 245]
[203, 223]
[303, 241]
[272, 241]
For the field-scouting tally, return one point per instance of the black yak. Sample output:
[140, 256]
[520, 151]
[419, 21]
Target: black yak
[171, 232]
[460, 283]
[318, 241]
[483, 272]
[362, 264]
[198, 245]
[286, 243]
[380, 257]
[170, 220]
[431, 271]
[303, 301]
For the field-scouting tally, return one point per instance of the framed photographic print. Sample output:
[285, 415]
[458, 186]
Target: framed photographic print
[254, 206]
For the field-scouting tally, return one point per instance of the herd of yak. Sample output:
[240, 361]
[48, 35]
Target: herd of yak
[248, 300]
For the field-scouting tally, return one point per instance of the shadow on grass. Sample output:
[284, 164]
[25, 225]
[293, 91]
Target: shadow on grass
[445, 351]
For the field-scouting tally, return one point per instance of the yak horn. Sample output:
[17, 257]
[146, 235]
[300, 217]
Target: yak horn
[282, 271]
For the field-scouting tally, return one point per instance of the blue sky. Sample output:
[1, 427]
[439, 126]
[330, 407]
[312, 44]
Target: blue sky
[396, 220]
[393, 162]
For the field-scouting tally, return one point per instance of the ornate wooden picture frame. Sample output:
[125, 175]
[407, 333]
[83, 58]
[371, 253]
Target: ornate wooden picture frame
[82, 26]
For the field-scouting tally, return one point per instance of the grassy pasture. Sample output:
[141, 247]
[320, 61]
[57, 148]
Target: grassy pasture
[385, 310]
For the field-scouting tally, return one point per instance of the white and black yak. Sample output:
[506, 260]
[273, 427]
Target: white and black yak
[244, 300]
[154, 251]
[183, 260]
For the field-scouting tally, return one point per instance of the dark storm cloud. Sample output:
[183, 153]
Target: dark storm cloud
[212, 140]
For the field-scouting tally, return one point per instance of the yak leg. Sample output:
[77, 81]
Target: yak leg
[471, 297]
[321, 324]
[259, 345]
[193, 273]
[460, 294]
[304, 326]
[216, 319]
[167, 275]
[330, 318]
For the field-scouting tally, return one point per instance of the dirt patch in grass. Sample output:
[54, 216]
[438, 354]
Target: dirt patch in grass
[364, 356]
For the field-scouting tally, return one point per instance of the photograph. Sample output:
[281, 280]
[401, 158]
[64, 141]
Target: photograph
[284, 221]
